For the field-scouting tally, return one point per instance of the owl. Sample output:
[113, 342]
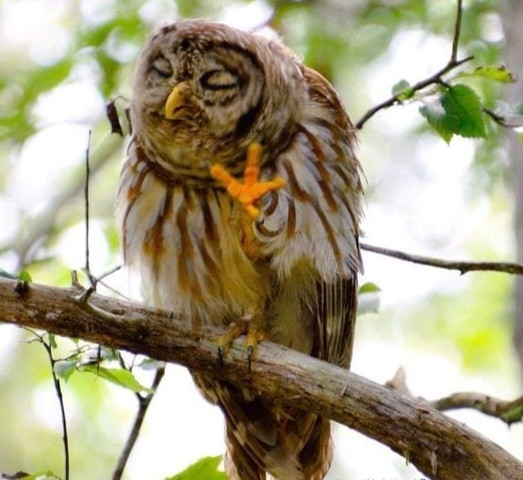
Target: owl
[239, 204]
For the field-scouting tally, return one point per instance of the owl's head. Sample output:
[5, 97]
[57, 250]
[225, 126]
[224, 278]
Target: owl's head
[204, 91]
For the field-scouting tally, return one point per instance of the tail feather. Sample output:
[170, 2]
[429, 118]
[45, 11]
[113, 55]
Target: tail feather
[266, 438]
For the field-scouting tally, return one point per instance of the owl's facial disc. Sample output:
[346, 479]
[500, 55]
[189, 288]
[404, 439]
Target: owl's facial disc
[204, 92]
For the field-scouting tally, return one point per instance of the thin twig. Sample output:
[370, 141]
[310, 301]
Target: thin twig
[462, 266]
[500, 119]
[56, 382]
[437, 78]
[508, 411]
[87, 267]
[143, 405]
[457, 32]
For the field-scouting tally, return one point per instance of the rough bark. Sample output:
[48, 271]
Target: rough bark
[437, 445]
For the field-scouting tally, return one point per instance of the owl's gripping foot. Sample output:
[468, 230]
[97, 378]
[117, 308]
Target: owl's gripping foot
[250, 190]
[249, 325]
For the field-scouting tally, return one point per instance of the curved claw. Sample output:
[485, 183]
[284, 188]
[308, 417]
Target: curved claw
[250, 354]
[250, 190]
[252, 326]
[221, 352]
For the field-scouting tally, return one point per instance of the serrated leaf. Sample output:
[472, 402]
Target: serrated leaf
[402, 90]
[368, 287]
[118, 376]
[464, 115]
[499, 73]
[435, 114]
[204, 469]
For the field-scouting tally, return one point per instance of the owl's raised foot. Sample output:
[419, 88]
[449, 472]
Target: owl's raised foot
[250, 325]
[250, 190]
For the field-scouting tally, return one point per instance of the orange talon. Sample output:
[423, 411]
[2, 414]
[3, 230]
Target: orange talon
[250, 190]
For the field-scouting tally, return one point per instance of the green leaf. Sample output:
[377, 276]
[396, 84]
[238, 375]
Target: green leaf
[514, 413]
[150, 364]
[118, 376]
[52, 340]
[499, 73]
[369, 287]
[6, 274]
[463, 113]
[42, 475]
[437, 118]
[402, 90]
[65, 368]
[25, 276]
[204, 469]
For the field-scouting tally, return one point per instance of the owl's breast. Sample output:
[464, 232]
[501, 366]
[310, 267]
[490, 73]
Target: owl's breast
[194, 248]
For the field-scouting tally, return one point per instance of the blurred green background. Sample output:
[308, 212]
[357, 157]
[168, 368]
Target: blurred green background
[61, 60]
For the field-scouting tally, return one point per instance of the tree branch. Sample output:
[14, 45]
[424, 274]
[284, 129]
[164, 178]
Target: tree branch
[508, 411]
[462, 266]
[437, 445]
[143, 405]
[433, 79]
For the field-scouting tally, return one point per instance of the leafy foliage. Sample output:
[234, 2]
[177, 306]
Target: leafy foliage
[205, 468]
[457, 110]
[498, 73]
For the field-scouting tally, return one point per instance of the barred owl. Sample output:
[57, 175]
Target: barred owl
[239, 201]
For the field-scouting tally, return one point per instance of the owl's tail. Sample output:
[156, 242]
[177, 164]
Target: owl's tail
[263, 438]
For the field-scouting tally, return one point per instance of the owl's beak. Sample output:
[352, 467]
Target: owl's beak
[176, 101]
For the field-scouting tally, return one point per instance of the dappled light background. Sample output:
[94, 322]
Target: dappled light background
[61, 60]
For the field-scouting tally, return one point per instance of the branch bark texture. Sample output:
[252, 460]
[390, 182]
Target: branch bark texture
[438, 446]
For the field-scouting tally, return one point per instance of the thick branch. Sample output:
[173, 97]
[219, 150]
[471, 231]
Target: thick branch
[434, 443]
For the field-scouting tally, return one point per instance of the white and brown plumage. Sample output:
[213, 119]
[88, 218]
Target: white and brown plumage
[286, 262]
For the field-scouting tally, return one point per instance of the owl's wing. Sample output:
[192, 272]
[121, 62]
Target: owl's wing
[336, 305]
[335, 318]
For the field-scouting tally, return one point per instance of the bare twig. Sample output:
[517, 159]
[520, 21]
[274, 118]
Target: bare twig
[56, 382]
[500, 119]
[143, 405]
[508, 411]
[462, 266]
[437, 78]
[35, 232]
[430, 440]
[87, 267]
[457, 32]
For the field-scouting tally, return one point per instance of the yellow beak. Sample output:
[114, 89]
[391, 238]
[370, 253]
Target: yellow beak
[176, 100]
